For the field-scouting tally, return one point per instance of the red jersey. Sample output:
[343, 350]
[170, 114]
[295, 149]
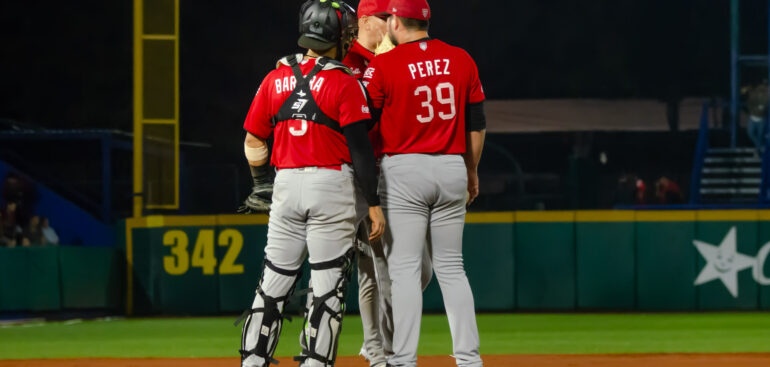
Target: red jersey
[423, 88]
[300, 143]
[358, 60]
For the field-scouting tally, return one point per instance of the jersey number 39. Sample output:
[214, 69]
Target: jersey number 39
[445, 95]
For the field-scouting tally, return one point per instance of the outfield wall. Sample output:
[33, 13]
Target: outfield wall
[529, 261]
[516, 261]
[44, 279]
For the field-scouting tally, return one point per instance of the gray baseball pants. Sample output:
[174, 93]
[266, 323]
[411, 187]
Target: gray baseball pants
[374, 305]
[315, 207]
[369, 299]
[424, 196]
[374, 299]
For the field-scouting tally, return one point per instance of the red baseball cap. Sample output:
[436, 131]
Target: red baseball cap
[372, 7]
[415, 9]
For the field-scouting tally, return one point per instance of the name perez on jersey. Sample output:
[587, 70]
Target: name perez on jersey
[287, 84]
[427, 68]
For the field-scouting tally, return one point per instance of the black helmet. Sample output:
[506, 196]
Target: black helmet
[324, 24]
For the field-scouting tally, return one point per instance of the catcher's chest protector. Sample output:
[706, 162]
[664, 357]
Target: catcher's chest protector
[301, 105]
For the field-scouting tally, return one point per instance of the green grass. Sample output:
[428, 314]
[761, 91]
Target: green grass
[500, 334]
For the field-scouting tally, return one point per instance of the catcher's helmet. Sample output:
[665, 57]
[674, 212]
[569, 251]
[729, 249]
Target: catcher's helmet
[324, 24]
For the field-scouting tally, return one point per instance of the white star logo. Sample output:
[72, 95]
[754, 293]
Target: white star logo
[723, 262]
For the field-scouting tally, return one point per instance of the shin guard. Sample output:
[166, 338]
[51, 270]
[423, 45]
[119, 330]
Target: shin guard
[264, 320]
[323, 319]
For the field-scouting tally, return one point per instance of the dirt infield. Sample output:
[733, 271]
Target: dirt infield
[626, 360]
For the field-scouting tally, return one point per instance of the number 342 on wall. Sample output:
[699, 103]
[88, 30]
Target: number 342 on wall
[203, 253]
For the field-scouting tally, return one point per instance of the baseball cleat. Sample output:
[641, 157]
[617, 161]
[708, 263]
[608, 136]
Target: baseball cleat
[363, 353]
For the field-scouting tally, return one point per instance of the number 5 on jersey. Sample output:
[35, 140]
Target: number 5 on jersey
[445, 95]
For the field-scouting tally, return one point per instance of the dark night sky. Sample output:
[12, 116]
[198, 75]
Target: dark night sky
[68, 64]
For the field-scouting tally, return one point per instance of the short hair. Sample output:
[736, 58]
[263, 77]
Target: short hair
[415, 24]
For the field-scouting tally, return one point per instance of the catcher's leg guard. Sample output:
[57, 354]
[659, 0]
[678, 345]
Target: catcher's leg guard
[323, 320]
[308, 305]
[262, 328]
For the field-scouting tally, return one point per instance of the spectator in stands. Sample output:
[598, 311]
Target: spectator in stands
[641, 191]
[756, 102]
[17, 190]
[668, 192]
[11, 230]
[33, 233]
[13, 189]
[50, 237]
[3, 240]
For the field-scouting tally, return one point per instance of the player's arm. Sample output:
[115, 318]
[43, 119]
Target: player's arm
[258, 128]
[476, 130]
[365, 168]
[355, 120]
[255, 150]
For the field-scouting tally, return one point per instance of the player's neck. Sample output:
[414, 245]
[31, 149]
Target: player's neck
[414, 36]
[330, 53]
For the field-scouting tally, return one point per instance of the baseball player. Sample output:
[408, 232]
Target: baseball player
[432, 125]
[371, 267]
[318, 116]
[373, 281]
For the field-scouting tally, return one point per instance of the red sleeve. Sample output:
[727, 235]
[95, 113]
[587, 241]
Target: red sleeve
[374, 84]
[258, 120]
[352, 102]
[476, 93]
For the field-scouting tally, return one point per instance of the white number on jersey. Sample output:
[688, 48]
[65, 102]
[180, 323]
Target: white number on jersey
[446, 100]
[301, 131]
[445, 94]
[426, 103]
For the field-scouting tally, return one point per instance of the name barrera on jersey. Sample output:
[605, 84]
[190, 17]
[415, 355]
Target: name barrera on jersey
[428, 85]
[304, 143]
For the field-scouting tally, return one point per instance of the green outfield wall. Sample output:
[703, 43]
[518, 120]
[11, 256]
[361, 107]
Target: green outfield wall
[515, 261]
[44, 279]
[528, 261]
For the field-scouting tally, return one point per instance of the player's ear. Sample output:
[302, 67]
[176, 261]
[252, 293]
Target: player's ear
[369, 23]
[362, 21]
[391, 22]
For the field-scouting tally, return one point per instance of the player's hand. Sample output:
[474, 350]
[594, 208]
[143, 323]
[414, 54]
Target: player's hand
[473, 186]
[259, 200]
[378, 223]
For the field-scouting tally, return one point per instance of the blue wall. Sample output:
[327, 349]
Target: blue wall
[74, 225]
